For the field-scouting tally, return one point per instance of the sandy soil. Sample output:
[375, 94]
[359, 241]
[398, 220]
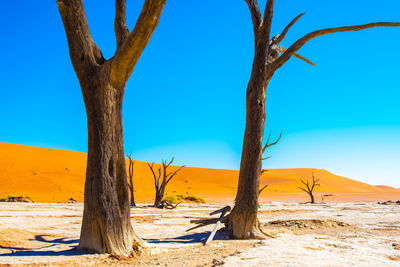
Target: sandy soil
[54, 175]
[334, 234]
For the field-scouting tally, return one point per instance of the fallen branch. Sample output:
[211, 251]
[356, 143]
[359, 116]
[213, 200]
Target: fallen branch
[223, 212]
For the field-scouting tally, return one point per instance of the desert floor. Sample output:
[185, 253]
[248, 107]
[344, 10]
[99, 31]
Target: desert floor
[334, 234]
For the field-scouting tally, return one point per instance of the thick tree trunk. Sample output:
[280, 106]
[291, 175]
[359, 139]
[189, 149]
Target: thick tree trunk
[243, 223]
[106, 226]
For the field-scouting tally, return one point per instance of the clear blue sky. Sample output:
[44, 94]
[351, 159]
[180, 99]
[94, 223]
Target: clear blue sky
[186, 96]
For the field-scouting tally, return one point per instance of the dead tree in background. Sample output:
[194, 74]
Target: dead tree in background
[268, 58]
[310, 188]
[130, 179]
[166, 178]
[106, 223]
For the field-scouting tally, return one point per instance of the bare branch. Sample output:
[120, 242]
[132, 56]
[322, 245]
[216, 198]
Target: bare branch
[120, 27]
[262, 189]
[269, 145]
[172, 160]
[303, 189]
[282, 49]
[255, 14]
[268, 14]
[302, 41]
[285, 31]
[175, 173]
[156, 183]
[128, 54]
[84, 53]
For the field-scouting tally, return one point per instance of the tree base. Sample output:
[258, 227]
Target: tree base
[244, 227]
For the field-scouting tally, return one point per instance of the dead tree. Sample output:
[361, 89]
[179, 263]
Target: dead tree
[268, 58]
[166, 178]
[130, 180]
[310, 188]
[106, 225]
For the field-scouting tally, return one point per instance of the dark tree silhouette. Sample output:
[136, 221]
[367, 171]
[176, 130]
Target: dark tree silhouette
[130, 180]
[166, 178]
[106, 226]
[268, 58]
[309, 188]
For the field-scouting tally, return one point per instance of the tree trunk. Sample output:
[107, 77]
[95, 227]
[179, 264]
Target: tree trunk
[106, 226]
[131, 189]
[312, 198]
[159, 197]
[243, 223]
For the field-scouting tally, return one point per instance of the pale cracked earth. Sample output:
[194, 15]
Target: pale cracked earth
[334, 234]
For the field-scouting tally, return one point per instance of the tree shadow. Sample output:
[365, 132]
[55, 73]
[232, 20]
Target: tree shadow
[189, 239]
[22, 251]
[64, 240]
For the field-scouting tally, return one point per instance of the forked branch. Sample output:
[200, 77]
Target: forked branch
[84, 53]
[302, 41]
[128, 54]
[272, 144]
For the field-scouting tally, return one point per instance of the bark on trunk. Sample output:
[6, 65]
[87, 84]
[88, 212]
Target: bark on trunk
[106, 226]
[243, 223]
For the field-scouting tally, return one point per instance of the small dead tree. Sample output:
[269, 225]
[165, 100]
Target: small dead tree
[165, 177]
[310, 188]
[130, 179]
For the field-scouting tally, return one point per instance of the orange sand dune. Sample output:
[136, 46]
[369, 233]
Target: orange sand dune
[52, 175]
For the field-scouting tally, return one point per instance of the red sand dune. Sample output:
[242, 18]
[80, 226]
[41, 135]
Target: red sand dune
[52, 175]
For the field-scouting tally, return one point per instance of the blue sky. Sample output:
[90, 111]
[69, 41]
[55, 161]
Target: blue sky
[186, 96]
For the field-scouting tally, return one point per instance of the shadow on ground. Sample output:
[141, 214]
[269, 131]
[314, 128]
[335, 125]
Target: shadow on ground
[192, 238]
[44, 250]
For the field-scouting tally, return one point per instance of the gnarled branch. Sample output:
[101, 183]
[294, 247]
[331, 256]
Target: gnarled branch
[128, 54]
[120, 27]
[302, 41]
